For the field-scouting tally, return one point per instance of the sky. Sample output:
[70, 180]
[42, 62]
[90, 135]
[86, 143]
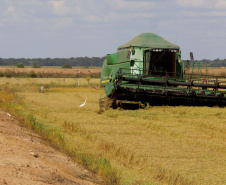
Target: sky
[94, 28]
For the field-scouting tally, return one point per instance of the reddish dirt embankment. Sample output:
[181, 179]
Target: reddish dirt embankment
[25, 159]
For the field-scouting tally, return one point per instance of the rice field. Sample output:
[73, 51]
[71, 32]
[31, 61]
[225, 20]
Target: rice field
[47, 70]
[159, 145]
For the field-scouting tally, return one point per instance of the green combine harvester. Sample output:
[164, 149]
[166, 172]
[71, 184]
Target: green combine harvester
[148, 70]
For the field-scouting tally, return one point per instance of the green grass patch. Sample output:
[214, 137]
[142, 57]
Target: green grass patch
[56, 137]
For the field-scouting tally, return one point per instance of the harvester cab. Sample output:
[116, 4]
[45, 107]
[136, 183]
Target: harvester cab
[148, 70]
[161, 61]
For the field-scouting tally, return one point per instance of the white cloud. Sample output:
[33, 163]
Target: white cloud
[68, 7]
[31, 2]
[115, 17]
[205, 14]
[64, 21]
[60, 8]
[10, 8]
[221, 5]
[10, 13]
[94, 18]
[132, 5]
[202, 9]
[103, 11]
[118, 10]
[202, 4]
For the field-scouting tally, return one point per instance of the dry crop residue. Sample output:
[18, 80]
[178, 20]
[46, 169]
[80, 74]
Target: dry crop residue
[25, 159]
[73, 71]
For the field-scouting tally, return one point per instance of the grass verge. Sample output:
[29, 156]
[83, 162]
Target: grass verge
[9, 101]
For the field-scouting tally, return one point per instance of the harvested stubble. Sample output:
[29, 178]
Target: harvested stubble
[48, 72]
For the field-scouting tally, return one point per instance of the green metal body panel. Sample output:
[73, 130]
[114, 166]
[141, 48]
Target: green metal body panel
[109, 70]
[112, 59]
[131, 55]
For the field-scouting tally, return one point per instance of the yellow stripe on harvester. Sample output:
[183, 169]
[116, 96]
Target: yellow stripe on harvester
[103, 82]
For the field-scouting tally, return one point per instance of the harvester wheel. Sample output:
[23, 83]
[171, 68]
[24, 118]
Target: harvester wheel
[105, 104]
[193, 93]
[221, 95]
[146, 105]
[184, 93]
[203, 93]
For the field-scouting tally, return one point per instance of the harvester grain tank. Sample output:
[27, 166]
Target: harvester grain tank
[148, 70]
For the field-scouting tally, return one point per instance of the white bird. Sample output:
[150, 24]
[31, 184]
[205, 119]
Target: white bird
[83, 103]
[8, 114]
[42, 88]
[78, 83]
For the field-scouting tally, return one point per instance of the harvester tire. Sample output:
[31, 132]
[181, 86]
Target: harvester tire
[105, 104]
[221, 95]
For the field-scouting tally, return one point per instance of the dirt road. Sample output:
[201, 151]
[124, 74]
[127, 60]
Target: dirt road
[25, 159]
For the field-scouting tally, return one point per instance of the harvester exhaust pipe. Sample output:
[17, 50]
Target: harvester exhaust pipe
[191, 56]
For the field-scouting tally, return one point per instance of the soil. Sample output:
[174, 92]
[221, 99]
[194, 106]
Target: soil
[27, 159]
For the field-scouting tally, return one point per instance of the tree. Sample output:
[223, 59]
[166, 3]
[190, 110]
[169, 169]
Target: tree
[20, 65]
[36, 65]
[67, 66]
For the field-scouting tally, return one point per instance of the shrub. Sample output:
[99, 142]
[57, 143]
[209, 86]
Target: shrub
[20, 65]
[67, 66]
[36, 65]
[32, 74]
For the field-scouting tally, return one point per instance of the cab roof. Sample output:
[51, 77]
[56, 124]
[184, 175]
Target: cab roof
[148, 40]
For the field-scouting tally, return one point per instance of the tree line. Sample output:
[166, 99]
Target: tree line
[81, 61]
[214, 63]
